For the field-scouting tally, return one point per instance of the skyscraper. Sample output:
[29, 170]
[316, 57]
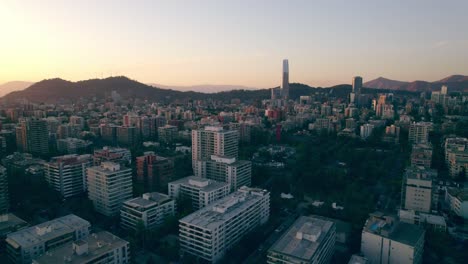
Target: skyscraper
[4, 198]
[357, 84]
[285, 86]
[32, 136]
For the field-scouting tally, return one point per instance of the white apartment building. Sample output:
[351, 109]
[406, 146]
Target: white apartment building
[213, 141]
[27, 244]
[67, 174]
[109, 185]
[151, 209]
[236, 173]
[209, 232]
[311, 239]
[419, 132]
[101, 247]
[418, 189]
[456, 156]
[457, 200]
[201, 191]
[386, 240]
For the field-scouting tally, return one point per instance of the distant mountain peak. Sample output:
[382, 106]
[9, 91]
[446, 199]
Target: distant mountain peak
[455, 82]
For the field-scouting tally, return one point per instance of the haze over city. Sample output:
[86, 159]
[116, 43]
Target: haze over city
[232, 43]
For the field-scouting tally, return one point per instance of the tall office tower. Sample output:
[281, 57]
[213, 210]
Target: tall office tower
[4, 194]
[122, 156]
[33, 136]
[152, 209]
[386, 240]
[285, 85]
[419, 132]
[27, 244]
[199, 190]
[154, 171]
[209, 232]
[213, 141]
[357, 85]
[109, 185]
[311, 239]
[67, 174]
[417, 191]
[101, 247]
[236, 173]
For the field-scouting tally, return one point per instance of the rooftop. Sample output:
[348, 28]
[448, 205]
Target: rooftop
[226, 208]
[97, 244]
[420, 173]
[10, 222]
[48, 230]
[303, 238]
[391, 228]
[203, 184]
[356, 259]
[147, 200]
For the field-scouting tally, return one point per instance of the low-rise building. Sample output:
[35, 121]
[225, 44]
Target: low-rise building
[27, 244]
[209, 232]
[101, 247]
[152, 209]
[309, 240]
[457, 200]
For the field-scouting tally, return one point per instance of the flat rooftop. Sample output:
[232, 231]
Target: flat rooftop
[225, 208]
[48, 230]
[9, 222]
[203, 184]
[389, 227]
[303, 238]
[98, 245]
[148, 200]
[356, 259]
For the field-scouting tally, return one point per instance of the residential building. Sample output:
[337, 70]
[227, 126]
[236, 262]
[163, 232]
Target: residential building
[457, 200]
[154, 171]
[67, 174]
[456, 157]
[152, 209]
[200, 191]
[4, 193]
[431, 221]
[101, 247]
[421, 155]
[72, 145]
[127, 136]
[27, 244]
[9, 223]
[119, 155]
[366, 130]
[213, 141]
[236, 173]
[32, 136]
[310, 239]
[386, 240]
[419, 132]
[418, 189]
[109, 185]
[356, 259]
[209, 232]
[167, 134]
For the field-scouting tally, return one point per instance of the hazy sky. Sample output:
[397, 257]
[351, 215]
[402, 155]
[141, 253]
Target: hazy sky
[233, 42]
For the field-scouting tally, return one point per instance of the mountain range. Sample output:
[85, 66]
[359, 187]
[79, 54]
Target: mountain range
[457, 83]
[9, 87]
[203, 88]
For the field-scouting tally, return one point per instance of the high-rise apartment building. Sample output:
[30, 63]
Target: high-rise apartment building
[109, 185]
[209, 232]
[154, 171]
[366, 130]
[386, 240]
[167, 133]
[32, 136]
[67, 174]
[310, 239]
[213, 141]
[27, 244]
[421, 155]
[236, 173]
[101, 247]
[419, 132]
[200, 191]
[456, 156]
[417, 190]
[4, 194]
[152, 209]
[127, 136]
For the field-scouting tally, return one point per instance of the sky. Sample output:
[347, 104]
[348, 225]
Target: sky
[233, 42]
